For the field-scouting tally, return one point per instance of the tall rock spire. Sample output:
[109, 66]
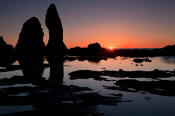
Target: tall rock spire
[55, 48]
[55, 44]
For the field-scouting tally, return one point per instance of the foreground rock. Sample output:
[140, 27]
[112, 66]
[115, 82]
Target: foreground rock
[49, 97]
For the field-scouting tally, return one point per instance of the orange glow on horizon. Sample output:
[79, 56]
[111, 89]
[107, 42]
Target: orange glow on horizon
[104, 44]
[106, 41]
[111, 48]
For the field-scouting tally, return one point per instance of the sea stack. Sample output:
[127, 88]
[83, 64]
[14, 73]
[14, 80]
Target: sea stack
[55, 49]
[55, 46]
[30, 47]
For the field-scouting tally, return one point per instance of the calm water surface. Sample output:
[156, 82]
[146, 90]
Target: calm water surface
[140, 105]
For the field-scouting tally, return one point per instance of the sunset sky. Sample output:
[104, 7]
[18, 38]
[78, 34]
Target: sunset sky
[112, 23]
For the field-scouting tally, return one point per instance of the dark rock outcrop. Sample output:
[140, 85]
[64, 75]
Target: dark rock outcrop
[50, 97]
[168, 50]
[98, 75]
[7, 53]
[55, 46]
[93, 49]
[31, 38]
[55, 49]
[30, 49]
[94, 46]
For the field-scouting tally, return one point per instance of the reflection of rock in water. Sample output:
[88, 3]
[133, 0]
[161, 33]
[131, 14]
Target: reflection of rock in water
[30, 48]
[140, 60]
[6, 52]
[168, 60]
[56, 68]
[55, 48]
[91, 59]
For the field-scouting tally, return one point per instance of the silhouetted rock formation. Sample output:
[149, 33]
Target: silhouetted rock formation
[94, 46]
[169, 50]
[30, 49]
[172, 47]
[7, 53]
[77, 51]
[93, 49]
[2, 43]
[55, 49]
[98, 75]
[96, 50]
[55, 46]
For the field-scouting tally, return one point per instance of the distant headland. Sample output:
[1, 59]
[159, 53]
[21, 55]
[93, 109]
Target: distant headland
[95, 49]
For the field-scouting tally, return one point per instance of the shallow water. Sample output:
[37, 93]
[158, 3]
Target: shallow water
[125, 63]
[141, 103]
[14, 109]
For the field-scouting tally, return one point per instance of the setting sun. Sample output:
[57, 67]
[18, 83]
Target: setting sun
[111, 48]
